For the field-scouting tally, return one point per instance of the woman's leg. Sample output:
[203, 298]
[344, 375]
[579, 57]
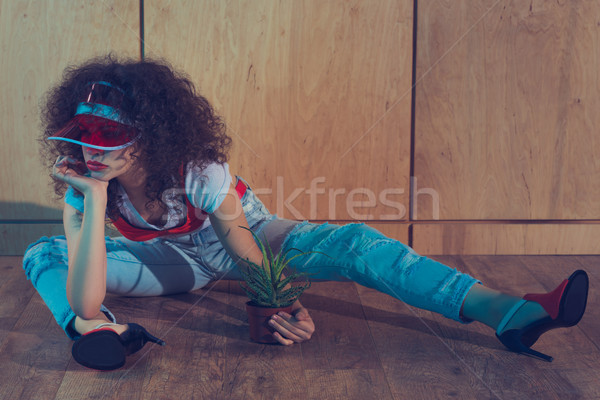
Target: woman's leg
[357, 252]
[364, 255]
[489, 306]
[45, 264]
[361, 254]
[133, 268]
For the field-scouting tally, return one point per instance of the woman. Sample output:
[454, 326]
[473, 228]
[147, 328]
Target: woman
[131, 142]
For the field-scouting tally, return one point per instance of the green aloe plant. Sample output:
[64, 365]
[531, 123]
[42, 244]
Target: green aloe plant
[264, 284]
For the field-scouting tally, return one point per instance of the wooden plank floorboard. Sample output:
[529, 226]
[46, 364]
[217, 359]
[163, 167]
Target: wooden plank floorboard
[259, 371]
[578, 346]
[511, 375]
[34, 355]
[126, 383]
[367, 345]
[414, 351]
[505, 374]
[342, 339]
[15, 293]
[195, 326]
[359, 384]
[341, 360]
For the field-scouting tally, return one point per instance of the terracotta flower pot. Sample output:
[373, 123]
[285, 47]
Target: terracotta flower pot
[258, 319]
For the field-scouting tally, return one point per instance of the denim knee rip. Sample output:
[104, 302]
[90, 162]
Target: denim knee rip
[44, 251]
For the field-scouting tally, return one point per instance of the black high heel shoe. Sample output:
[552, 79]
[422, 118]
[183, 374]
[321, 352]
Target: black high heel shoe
[565, 306]
[104, 349]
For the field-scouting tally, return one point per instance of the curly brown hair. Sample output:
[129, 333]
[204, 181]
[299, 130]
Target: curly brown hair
[177, 124]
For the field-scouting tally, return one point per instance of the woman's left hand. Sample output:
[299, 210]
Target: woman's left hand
[295, 328]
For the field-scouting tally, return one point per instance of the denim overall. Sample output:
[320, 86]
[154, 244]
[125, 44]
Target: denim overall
[185, 262]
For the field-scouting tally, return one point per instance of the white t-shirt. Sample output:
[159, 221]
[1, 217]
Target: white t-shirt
[205, 188]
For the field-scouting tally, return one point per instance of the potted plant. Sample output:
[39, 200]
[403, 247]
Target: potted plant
[269, 291]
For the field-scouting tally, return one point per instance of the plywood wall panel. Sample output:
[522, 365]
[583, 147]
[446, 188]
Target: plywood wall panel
[506, 109]
[524, 239]
[315, 94]
[38, 40]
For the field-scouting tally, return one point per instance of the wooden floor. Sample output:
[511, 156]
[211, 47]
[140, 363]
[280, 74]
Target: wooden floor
[367, 345]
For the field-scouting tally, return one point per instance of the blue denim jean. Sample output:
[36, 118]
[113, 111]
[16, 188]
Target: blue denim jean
[180, 263]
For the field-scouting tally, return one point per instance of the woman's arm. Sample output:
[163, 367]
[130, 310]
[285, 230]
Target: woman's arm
[239, 244]
[226, 221]
[86, 279]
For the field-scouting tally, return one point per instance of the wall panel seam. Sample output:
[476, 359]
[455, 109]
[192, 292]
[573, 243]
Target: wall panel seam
[412, 119]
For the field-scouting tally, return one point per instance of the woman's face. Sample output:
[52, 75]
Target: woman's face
[105, 165]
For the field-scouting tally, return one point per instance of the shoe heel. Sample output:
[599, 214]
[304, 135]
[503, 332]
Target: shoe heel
[136, 336]
[513, 341]
[153, 339]
[530, 352]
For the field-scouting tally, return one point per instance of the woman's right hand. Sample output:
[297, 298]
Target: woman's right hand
[65, 168]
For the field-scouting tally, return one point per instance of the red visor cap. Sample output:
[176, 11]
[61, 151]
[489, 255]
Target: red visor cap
[98, 122]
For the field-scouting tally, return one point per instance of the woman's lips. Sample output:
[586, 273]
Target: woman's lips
[96, 166]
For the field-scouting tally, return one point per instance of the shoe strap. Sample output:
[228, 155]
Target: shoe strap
[507, 317]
